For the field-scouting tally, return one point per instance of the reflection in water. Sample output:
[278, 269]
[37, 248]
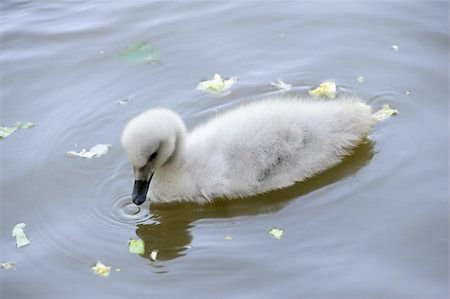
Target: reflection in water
[171, 234]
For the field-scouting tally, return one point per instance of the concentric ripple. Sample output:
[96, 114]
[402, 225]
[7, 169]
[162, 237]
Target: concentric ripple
[110, 202]
[123, 210]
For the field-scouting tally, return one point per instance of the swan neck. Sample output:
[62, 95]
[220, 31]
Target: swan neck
[179, 148]
[179, 145]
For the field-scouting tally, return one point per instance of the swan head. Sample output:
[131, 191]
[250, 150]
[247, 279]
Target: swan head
[151, 140]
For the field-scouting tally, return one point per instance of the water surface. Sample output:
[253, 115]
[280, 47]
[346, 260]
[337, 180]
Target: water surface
[375, 226]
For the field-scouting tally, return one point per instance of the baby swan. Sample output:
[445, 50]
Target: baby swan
[257, 147]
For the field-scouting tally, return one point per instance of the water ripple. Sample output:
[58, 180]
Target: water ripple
[111, 204]
[123, 210]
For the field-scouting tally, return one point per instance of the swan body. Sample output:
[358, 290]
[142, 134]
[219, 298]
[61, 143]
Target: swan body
[255, 148]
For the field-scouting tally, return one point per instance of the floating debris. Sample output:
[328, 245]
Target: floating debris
[228, 238]
[6, 131]
[139, 52]
[327, 89]
[385, 112]
[19, 233]
[136, 246]
[125, 101]
[276, 232]
[360, 79]
[101, 270]
[8, 266]
[407, 93]
[281, 85]
[25, 125]
[95, 151]
[154, 254]
[217, 84]
[395, 47]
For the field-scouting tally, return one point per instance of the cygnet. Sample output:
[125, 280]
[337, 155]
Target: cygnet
[254, 148]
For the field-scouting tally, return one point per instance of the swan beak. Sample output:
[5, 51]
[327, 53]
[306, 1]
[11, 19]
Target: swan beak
[140, 191]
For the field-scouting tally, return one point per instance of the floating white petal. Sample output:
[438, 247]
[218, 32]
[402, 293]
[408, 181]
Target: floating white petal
[276, 232]
[96, 151]
[281, 85]
[125, 101]
[19, 233]
[153, 255]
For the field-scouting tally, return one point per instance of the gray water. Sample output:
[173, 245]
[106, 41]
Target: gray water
[375, 226]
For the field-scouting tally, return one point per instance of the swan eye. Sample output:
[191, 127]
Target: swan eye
[152, 156]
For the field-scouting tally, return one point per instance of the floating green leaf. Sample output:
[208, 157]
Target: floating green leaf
[385, 112]
[6, 131]
[139, 52]
[25, 125]
[217, 84]
[100, 269]
[136, 246]
[327, 89]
